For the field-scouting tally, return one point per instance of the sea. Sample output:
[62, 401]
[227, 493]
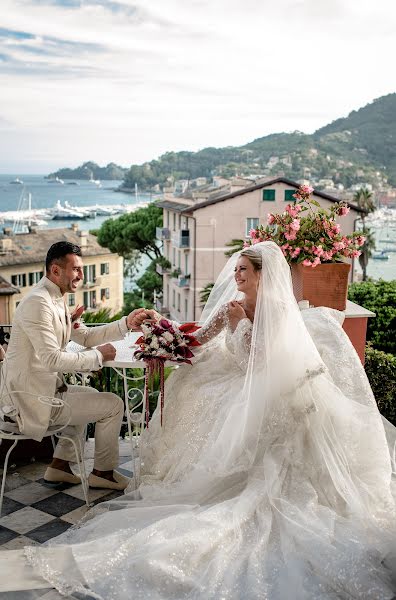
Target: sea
[44, 195]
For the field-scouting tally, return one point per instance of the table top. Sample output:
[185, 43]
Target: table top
[124, 352]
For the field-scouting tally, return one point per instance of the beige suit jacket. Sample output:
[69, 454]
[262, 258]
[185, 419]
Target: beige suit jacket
[36, 356]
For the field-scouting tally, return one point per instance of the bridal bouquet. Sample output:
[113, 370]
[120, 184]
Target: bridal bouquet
[163, 340]
[309, 235]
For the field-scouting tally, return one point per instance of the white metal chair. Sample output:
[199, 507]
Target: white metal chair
[9, 430]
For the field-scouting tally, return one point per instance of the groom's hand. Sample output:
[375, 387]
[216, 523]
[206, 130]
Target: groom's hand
[137, 317]
[107, 351]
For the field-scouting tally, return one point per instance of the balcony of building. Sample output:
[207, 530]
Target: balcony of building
[181, 239]
[162, 233]
[183, 281]
[88, 284]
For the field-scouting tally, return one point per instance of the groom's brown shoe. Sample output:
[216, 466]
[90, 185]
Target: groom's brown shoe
[55, 476]
[120, 482]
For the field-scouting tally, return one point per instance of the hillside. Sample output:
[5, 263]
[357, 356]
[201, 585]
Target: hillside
[355, 149]
[90, 170]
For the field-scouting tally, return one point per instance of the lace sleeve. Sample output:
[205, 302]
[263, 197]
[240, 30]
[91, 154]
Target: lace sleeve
[213, 327]
[241, 340]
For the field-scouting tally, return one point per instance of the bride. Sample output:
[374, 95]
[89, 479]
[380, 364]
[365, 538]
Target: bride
[270, 479]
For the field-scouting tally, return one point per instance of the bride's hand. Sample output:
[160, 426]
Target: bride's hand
[235, 314]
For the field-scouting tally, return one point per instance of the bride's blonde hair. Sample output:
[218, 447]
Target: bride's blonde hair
[254, 257]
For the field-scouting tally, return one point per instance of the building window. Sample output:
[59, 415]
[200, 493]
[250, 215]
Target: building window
[186, 309]
[19, 280]
[178, 302]
[289, 195]
[167, 299]
[90, 299]
[269, 195]
[251, 223]
[180, 220]
[35, 277]
[167, 218]
[90, 273]
[104, 268]
[186, 271]
[174, 221]
[179, 259]
[173, 298]
[105, 294]
[174, 257]
[71, 301]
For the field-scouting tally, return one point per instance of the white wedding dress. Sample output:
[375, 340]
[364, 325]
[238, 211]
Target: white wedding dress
[271, 478]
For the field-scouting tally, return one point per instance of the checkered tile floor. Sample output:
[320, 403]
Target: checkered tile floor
[33, 513]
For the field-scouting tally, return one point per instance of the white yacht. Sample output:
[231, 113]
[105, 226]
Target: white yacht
[63, 212]
[17, 181]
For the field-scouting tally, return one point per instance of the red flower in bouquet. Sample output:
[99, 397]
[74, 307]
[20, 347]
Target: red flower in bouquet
[162, 341]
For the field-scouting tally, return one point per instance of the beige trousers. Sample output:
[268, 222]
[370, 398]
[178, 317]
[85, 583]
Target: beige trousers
[87, 405]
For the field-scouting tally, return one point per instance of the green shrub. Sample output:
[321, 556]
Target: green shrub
[381, 372]
[380, 298]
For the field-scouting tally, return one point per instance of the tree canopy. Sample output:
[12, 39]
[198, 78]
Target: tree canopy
[133, 232]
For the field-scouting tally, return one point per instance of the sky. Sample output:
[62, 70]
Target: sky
[126, 80]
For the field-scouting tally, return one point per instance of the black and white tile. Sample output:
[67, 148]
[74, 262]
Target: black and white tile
[34, 513]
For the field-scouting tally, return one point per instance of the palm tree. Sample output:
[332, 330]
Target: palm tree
[205, 293]
[364, 199]
[235, 245]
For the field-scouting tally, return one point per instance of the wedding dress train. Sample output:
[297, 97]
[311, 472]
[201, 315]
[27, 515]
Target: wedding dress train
[271, 478]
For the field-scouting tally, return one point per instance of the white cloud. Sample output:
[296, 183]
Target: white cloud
[127, 80]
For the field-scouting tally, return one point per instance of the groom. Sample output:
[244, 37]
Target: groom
[36, 360]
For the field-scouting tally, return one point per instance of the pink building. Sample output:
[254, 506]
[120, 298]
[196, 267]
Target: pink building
[195, 234]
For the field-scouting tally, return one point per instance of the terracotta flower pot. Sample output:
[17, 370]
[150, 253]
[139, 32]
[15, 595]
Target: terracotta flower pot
[324, 285]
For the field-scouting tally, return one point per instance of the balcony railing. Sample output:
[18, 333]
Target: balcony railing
[162, 233]
[94, 283]
[181, 239]
[183, 281]
[162, 270]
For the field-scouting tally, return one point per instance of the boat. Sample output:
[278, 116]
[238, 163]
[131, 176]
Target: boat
[63, 212]
[56, 180]
[89, 212]
[17, 181]
[380, 256]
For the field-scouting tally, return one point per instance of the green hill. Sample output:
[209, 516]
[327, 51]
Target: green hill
[360, 148]
[355, 149]
[90, 170]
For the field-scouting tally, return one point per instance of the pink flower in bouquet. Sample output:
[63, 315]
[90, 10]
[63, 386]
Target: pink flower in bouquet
[295, 224]
[316, 262]
[356, 253]
[327, 255]
[295, 252]
[336, 228]
[318, 250]
[307, 189]
[270, 219]
[344, 210]
[360, 240]
[291, 235]
[253, 234]
[338, 246]
[293, 210]
[307, 263]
